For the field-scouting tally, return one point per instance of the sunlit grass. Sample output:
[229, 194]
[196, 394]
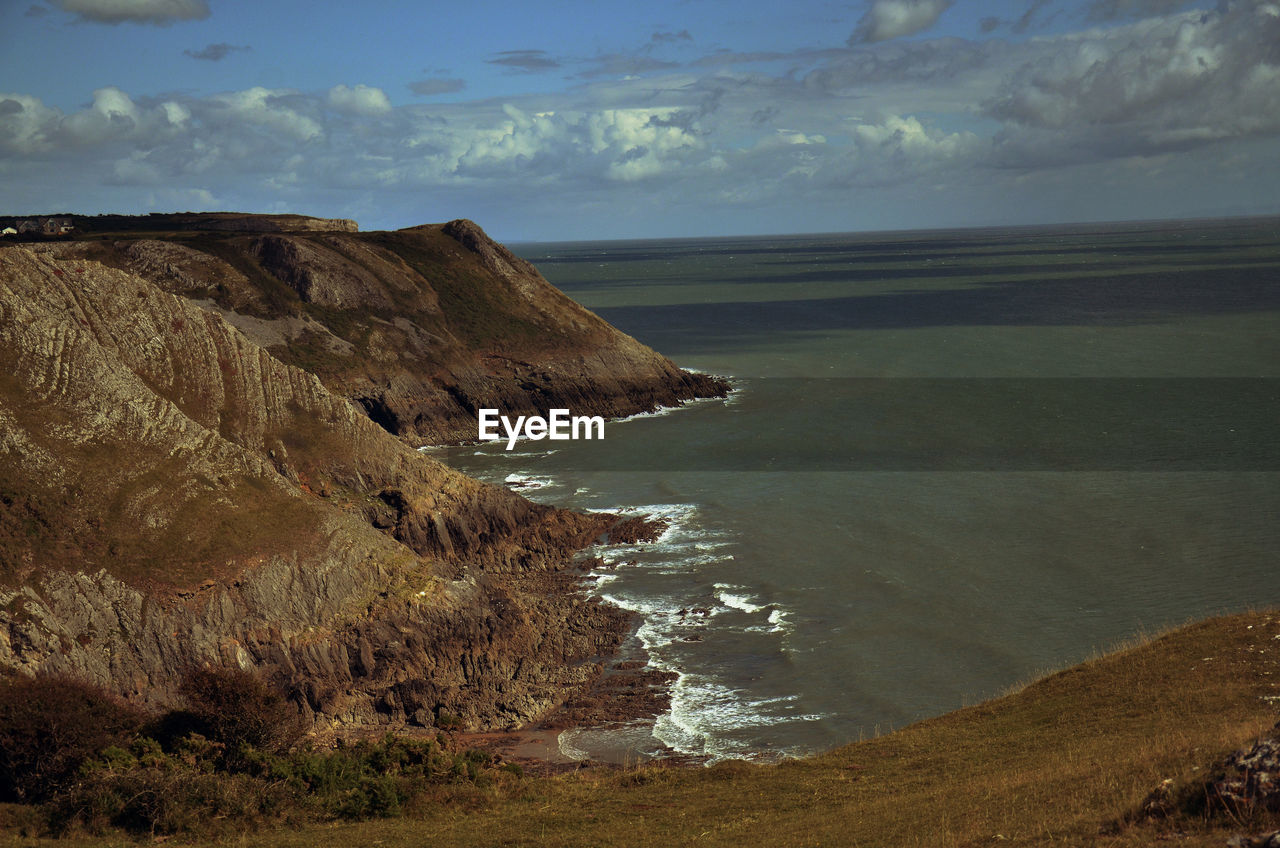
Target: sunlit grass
[1065, 760]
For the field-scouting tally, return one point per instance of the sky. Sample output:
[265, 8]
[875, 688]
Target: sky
[556, 120]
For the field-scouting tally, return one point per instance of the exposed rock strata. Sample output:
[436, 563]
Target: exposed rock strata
[172, 494]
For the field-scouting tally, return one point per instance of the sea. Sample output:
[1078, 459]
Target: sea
[953, 461]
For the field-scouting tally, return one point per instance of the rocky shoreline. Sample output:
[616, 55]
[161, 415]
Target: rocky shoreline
[177, 494]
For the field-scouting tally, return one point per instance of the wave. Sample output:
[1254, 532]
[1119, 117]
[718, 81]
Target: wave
[778, 620]
[705, 713]
[565, 742]
[738, 602]
[734, 598]
[688, 404]
[691, 615]
[708, 716]
[527, 482]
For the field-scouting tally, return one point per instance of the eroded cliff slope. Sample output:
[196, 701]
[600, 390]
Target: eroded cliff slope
[421, 327]
[172, 494]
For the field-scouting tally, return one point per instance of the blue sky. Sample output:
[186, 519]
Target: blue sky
[577, 120]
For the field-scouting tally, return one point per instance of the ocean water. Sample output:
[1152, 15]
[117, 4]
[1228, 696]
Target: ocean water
[953, 461]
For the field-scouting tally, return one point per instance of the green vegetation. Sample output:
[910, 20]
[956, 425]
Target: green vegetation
[84, 763]
[276, 298]
[1072, 759]
[479, 314]
[310, 351]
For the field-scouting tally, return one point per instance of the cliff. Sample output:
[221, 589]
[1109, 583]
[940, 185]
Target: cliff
[173, 494]
[420, 327]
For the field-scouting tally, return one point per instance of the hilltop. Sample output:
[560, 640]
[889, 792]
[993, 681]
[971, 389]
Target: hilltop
[420, 327]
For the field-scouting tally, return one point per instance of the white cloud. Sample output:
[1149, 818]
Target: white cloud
[25, 123]
[570, 147]
[897, 149]
[270, 109]
[793, 137]
[158, 12]
[888, 19]
[896, 134]
[113, 114]
[359, 100]
[134, 169]
[1154, 85]
[175, 113]
[29, 126]
[639, 142]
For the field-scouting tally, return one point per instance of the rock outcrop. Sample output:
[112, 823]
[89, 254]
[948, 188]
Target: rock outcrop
[172, 494]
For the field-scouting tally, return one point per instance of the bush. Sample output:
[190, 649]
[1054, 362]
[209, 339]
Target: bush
[230, 761]
[145, 791]
[49, 727]
[238, 710]
[362, 780]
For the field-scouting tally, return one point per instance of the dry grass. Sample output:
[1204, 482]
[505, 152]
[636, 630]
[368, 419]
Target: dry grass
[1066, 760]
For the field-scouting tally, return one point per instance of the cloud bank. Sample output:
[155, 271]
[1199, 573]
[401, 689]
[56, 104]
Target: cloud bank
[1167, 114]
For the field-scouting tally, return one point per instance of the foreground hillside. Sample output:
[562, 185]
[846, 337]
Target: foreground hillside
[420, 327]
[1070, 760]
[1124, 750]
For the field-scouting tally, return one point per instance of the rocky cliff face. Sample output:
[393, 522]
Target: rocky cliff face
[172, 494]
[420, 327]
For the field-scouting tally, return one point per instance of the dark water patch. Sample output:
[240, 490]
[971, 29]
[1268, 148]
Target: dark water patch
[1169, 237]
[1118, 252]
[1127, 300]
[978, 273]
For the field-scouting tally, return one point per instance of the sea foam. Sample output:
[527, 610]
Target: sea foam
[685, 611]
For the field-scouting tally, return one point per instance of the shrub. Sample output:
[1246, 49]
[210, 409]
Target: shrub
[145, 791]
[238, 710]
[49, 727]
[228, 762]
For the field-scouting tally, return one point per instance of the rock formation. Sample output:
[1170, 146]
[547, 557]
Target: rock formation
[173, 494]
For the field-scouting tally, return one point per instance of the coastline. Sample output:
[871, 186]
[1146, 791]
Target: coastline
[620, 708]
[615, 717]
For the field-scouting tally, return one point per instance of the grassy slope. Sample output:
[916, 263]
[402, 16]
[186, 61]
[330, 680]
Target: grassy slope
[1054, 763]
[475, 317]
